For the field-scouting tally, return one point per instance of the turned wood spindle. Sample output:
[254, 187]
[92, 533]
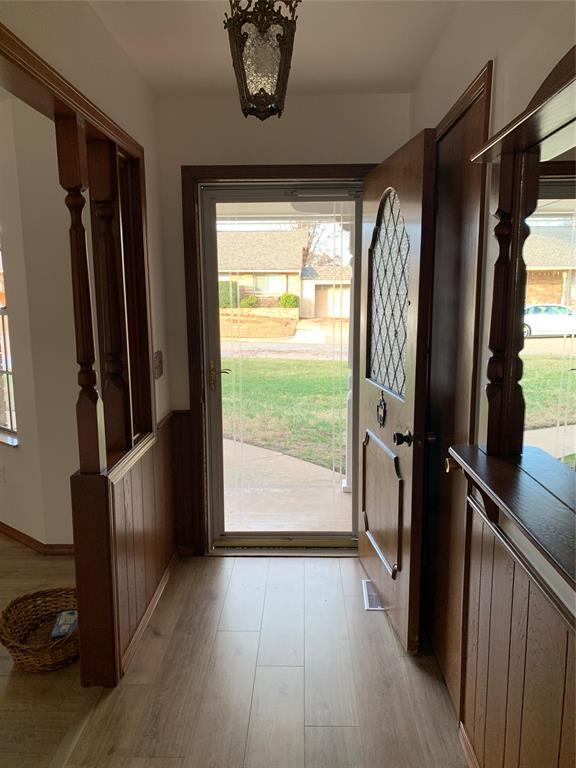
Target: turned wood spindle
[73, 174]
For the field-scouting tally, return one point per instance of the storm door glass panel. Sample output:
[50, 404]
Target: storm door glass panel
[389, 296]
[285, 283]
[549, 354]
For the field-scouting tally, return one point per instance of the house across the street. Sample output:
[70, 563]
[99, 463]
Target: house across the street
[550, 258]
[267, 264]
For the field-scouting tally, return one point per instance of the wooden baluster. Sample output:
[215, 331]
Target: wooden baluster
[517, 200]
[73, 174]
[109, 275]
[498, 323]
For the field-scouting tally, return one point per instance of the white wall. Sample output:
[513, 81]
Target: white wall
[71, 37]
[313, 129]
[34, 494]
[525, 40]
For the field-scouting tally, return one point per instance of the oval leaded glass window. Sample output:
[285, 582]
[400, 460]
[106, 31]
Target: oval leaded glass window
[388, 259]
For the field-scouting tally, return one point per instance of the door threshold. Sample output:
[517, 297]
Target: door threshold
[259, 544]
[279, 552]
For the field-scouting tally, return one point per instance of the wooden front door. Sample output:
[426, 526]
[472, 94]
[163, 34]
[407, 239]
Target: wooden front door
[397, 271]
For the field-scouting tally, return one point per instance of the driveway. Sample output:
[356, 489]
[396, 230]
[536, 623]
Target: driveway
[312, 340]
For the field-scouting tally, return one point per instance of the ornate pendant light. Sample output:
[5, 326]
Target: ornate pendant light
[261, 36]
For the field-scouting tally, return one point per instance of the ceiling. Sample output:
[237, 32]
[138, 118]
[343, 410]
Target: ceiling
[341, 46]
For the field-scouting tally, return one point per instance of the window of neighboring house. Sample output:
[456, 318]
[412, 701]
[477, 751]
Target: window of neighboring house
[7, 409]
[272, 284]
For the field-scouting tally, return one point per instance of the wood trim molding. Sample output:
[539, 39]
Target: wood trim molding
[551, 108]
[129, 652]
[480, 86]
[467, 747]
[562, 75]
[32, 543]
[30, 78]
[247, 173]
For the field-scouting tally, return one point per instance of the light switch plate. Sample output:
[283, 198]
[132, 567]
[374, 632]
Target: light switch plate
[158, 364]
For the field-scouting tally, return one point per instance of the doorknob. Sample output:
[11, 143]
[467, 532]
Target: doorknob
[400, 439]
[215, 372]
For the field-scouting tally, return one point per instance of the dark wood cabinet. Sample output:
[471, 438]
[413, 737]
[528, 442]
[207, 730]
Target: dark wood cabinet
[517, 707]
[519, 603]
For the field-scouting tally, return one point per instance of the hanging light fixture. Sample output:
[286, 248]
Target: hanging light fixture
[261, 36]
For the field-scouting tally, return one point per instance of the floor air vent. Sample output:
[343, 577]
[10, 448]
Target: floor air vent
[371, 597]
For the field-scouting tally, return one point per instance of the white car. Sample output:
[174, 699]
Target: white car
[549, 320]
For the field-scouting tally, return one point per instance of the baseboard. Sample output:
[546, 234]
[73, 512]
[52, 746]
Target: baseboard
[467, 747]
[132, 645]
[185, 551]
[32, 543]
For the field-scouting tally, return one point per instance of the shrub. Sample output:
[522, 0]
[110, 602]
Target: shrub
[249, 301]
[227, 294]
[289, 301]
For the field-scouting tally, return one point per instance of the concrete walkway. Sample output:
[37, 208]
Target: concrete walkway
[558, 441]
[267, 491]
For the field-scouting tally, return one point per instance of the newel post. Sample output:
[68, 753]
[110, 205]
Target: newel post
[73, 174]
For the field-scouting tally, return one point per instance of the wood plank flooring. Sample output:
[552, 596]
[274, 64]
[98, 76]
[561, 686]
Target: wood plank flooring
[40, 715]
[246, 663]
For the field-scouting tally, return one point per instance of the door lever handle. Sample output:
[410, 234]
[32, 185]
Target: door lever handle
[216, 372]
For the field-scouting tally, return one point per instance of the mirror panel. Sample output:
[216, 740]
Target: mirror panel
[549, 323]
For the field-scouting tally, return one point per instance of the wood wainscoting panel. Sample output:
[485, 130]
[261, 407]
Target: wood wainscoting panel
[544, 682]
[483, 648]
[516, 664]
[471, 647]
[518, 708]
[498, 660]
[568, 743]
[124, 543]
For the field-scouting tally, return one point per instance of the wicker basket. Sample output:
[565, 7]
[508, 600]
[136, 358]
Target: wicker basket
[25, 627]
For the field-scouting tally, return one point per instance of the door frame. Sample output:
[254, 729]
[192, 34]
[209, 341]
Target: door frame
[194, 531]
[445, 575]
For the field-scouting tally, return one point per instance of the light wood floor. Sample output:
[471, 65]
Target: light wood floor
[247, 663]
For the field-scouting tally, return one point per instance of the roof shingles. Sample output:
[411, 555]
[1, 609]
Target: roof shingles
[265, 251]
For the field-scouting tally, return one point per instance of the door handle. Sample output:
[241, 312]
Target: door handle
[403, 439]
[215, 372]
[451, 465]
[408, 438]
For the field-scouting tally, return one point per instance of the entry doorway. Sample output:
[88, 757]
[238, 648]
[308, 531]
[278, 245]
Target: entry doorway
[279, 362]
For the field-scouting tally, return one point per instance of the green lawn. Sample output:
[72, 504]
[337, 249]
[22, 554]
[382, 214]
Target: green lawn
[549, 387]
[298, 407]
